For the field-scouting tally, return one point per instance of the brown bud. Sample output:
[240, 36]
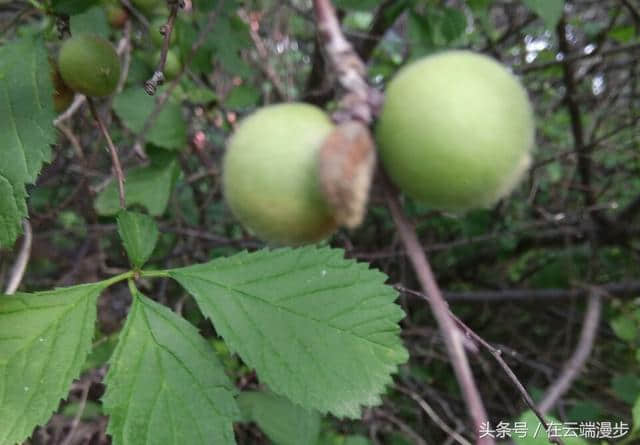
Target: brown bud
[346, 166]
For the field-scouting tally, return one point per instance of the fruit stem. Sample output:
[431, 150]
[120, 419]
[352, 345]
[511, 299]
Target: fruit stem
[117, 167]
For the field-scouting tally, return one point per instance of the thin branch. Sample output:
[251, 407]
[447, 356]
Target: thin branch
[629, 288]
[115, 160]
[450, 332]
[385, 17]
[497, 355]
[157, 78]
[20, 266]
[576, 363]
[583, 152]
[162, 100]
[433, 415]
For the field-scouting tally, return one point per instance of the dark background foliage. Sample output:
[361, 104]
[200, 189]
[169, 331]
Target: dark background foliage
[520, 274]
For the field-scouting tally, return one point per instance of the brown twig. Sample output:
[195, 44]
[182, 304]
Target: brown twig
[628, 288]
[577, 361]
[497, 355]
[117, 167]
[162, 100]
[433, 415]
[362, 101]
[20, 266]
[157, 78]
[450, 332]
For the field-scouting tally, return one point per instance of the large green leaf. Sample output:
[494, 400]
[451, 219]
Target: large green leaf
[282, 421]
[319, 329]
[44, 341]
[165, 384]
[139, 234]
[169, 128]
[149, 187]
[549, 10]
[26, 129]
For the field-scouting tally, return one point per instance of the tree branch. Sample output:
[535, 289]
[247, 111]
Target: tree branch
[583, 151]
[450, 332]
[115, 159]
[577, 361]
[20, 266]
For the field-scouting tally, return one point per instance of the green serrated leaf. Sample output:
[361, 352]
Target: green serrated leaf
[165, 384]
[169, 129]
[139, 234]
[44, 340]
[26, 129]
[319, 329]
[282, 421]
[149, 187]
[549, 10]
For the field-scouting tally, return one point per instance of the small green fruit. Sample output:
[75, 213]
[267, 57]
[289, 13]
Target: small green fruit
[116, 15]
[270, 174]
[89, 65]
[154, 30]
[456, 131]
[172, 67]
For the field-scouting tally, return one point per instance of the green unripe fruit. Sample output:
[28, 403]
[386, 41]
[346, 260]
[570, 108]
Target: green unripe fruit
[156, 37]
[89, 65]
[456, 131]
[270, 174]
[62, 94]
[116, 15]
[172, 67]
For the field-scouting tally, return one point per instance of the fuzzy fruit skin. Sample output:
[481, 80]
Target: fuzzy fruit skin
[456, 131]
[89, 65]
[270, 174]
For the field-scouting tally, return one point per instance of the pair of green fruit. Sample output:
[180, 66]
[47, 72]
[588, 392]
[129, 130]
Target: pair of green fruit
[455, 133]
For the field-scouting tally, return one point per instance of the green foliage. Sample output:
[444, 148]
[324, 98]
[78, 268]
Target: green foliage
[44, 341]
[165, 384]
[26, 130]
[93, 21]
[168, 130]
[149, 187]
[72, 7]
[282, 421]
[139, 234]
[329, 325]
[549, 10]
